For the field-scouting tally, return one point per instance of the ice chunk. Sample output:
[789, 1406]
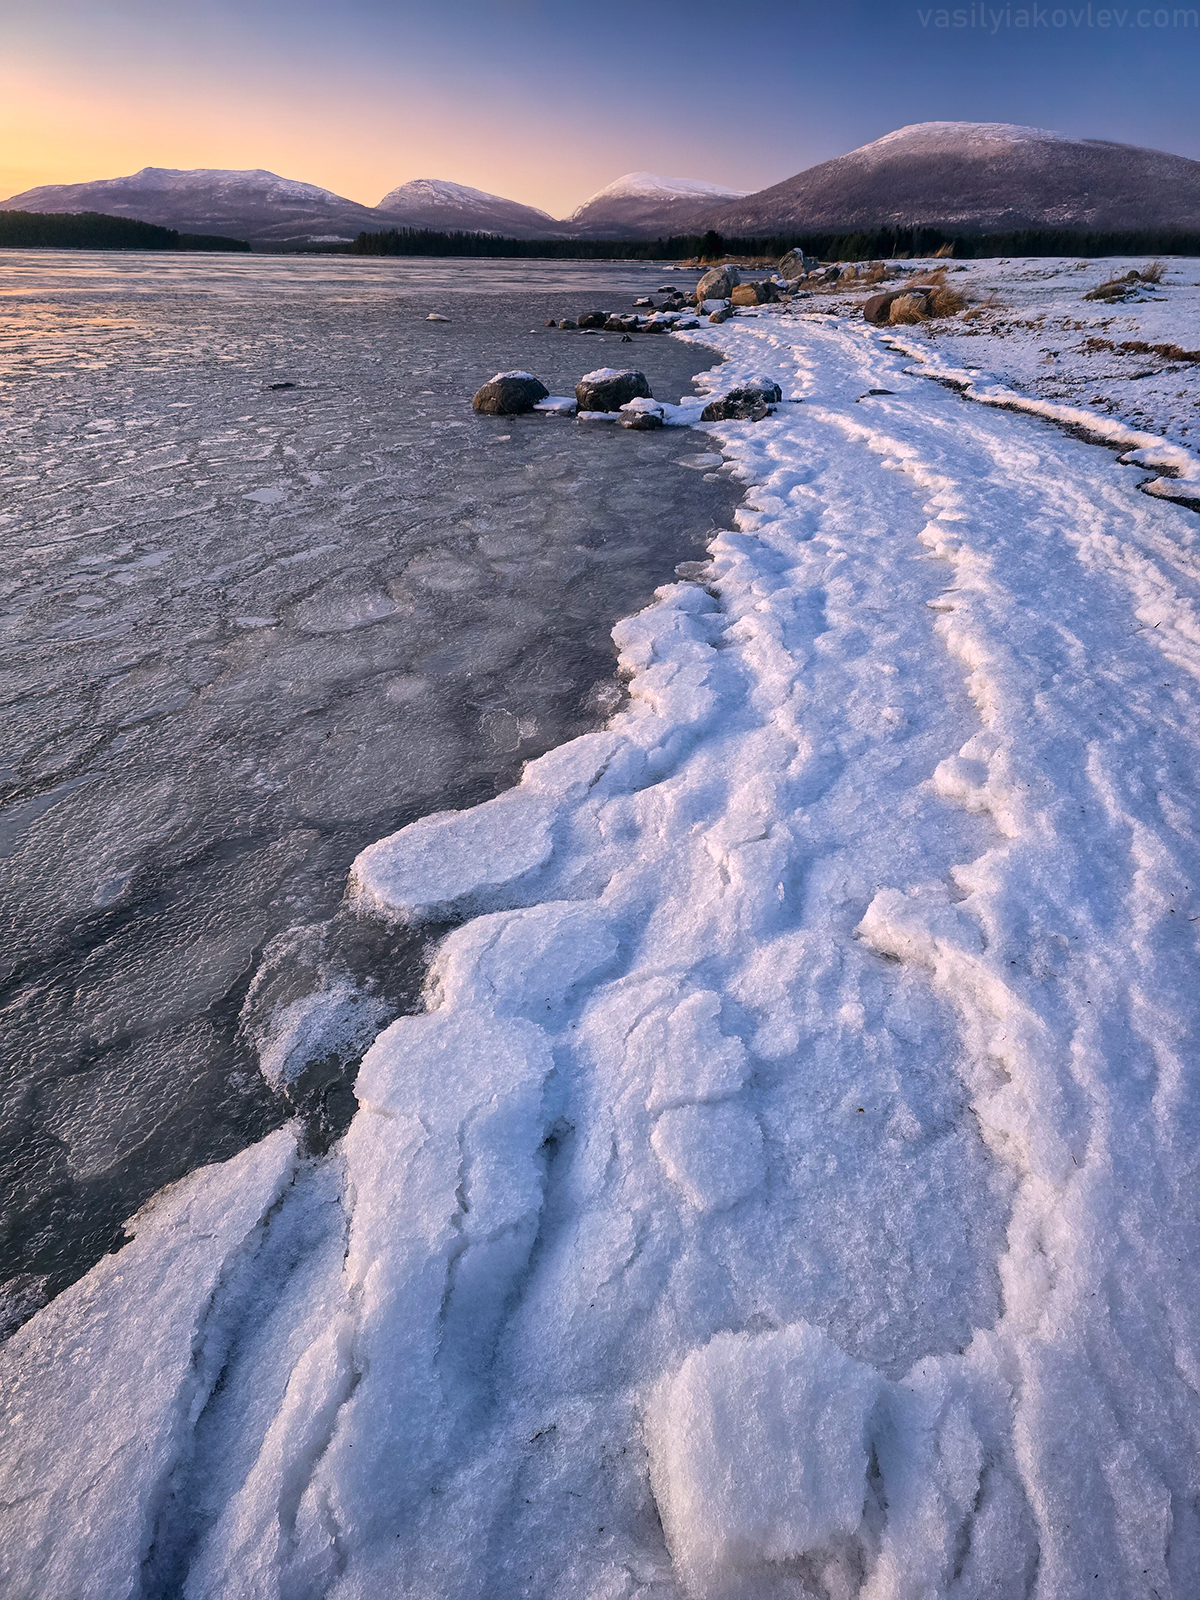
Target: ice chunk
[758, 1454]
[529, 959]
[101, 1390]
[455, 861]
[330, 1021]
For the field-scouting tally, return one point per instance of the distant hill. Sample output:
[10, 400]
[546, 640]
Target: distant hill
[962, 177]
[641, 204]
[455, 208]
[92, 230]
[977, 176]
[255, 205]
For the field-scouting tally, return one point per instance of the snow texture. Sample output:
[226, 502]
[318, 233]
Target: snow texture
[790, 1187]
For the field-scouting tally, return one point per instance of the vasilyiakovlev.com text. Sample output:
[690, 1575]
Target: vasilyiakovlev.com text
[1038, 17]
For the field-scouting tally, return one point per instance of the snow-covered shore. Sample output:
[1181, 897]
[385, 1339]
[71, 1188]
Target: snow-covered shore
[791, 1186]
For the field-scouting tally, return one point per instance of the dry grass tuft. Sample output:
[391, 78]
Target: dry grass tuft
[1153, 273]
[946, 302]
[907, 308]
[1111, 290]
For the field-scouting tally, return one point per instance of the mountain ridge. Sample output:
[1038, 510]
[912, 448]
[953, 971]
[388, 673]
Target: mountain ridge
[972, 177]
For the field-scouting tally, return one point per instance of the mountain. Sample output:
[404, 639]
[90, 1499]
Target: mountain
[453, 207]
[977, 176]
[255, 205]
[642, 203]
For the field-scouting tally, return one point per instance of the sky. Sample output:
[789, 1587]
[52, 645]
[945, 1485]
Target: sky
[546, 102]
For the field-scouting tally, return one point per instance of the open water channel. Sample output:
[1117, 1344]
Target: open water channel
[244, 631]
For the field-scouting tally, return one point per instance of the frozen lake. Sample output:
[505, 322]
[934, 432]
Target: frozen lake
[247, 630]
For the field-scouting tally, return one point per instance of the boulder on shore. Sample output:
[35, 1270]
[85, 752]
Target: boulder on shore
[749, 403]
[718, 283]
[796, 264]
[508, 394]
[593, 319]
[642, 415]
[609, 388]
[755, 294]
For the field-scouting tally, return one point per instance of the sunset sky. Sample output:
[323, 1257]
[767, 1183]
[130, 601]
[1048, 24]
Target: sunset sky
[546, 102]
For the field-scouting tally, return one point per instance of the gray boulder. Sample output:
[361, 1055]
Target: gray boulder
[643, 415]
[718, 283]
[608, 389]
[749, 403]
[508, 394]
[796, 264]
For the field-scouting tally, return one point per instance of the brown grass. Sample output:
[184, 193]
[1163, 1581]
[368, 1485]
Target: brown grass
[1110, 290]
[1138, 347]
[942, 302]
[1153, 273]
[907, 308]
[947, 302]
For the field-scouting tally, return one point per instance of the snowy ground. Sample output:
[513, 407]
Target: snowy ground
[790, 1188]
[1031, 332]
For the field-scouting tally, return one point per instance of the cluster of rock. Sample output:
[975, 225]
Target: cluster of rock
[619, 394]
[604, 393]
[721, 290]
[670, 314]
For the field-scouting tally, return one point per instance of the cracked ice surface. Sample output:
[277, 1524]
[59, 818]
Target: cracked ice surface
[246, 631]
[789, 1189]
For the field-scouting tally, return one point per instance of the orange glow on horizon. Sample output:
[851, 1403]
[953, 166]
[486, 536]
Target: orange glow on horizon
[53, 132]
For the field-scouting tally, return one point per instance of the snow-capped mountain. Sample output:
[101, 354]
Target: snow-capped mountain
[256, 205]
[977, 175]
[438, 203]
[644, 203]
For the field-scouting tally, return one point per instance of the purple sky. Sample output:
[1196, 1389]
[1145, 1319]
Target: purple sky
[546, 102]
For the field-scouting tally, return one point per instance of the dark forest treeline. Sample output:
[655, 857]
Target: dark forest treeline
[92, 230]
[429, 242]
[865, 245]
